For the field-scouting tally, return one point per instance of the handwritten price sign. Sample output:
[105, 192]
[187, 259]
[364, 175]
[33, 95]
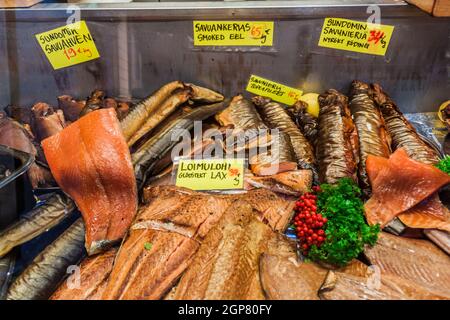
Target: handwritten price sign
[357, 36]
[233, 33]
[68, 45]
[210, 174]
[273, 90]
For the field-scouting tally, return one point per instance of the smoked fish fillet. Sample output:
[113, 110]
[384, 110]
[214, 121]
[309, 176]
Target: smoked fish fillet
[93, 276]
[418, 261]
[91, 162]
[148, 265]
[398, 184]
[226, 265]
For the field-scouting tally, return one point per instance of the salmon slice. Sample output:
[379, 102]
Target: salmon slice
[93, 274]
[226, 265]
[148, 264]
[398, 184]
[428, 214]
[91, 162]
[418, 261]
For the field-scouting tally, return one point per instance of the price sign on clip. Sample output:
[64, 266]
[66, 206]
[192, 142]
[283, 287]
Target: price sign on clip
[357, 36]
[68, 45]
[210, 174]
[233, 33]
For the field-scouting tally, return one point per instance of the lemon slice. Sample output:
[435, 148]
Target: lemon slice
[442, 107]
[312, 99]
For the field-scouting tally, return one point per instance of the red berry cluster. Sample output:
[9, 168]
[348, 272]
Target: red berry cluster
[309, 225]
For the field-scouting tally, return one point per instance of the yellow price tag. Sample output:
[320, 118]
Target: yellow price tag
[275, 91]
[210, 174]
[68, 45]
[357, 36]
[233, 33]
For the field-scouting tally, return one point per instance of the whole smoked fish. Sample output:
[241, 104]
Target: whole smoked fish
[40, 279]
[91, 162]
[402, 133]
[139, 113]
[369, 124]
[337, 139]
[35, 222]
[278, 118]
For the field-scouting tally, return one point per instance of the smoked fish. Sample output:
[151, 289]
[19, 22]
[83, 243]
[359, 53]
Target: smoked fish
[337, 139]
[91, 162]
[40, 279]
[369, 124]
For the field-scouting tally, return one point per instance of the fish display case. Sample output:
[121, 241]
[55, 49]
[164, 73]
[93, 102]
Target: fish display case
[99, 95]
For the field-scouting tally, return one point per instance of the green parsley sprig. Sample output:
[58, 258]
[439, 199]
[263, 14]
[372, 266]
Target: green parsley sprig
[346, 230]
[444, 164]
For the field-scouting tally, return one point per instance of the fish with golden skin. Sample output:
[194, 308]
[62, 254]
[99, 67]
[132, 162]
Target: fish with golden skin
[139, 113]
[278, 118]
[402, 133]
[372, 135]
[161, 113]
[337, 139]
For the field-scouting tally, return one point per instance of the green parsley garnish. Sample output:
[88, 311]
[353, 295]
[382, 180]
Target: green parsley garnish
[346, 230]
[444, 164]
[148, 245]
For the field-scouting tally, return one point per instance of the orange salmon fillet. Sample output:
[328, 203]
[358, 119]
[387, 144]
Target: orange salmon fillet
[91, 162]
[398, 184]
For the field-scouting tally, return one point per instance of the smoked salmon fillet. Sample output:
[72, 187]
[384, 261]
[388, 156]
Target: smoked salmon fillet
[398, 184]
[91, 162]
[429, 214]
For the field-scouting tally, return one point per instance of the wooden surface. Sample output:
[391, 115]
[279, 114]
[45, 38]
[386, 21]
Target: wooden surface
[438, 8]
[17, 3]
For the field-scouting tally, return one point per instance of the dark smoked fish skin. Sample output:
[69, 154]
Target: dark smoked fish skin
[35, 222]
[6, 270]
[146, 157]
[277, 117]
[402, 133]
[369, 124]
[337, 139]
[41, 278]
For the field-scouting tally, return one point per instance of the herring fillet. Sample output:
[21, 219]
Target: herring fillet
[40, 279]
[35, 222]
